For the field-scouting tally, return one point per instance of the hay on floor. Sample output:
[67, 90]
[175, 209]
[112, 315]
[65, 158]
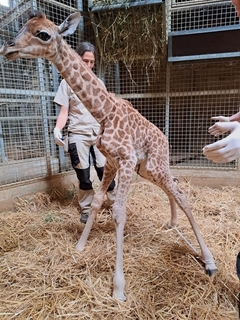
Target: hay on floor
[44, 277]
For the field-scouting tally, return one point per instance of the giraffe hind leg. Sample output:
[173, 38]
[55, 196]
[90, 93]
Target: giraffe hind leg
[168, 184]
[173, 191]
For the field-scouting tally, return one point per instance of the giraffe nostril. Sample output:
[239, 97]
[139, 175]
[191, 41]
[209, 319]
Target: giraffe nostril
[10, 43]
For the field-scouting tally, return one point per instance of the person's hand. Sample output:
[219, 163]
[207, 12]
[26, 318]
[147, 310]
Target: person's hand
[58, 137]
[227, 149]
[220, 128]
[221, 118]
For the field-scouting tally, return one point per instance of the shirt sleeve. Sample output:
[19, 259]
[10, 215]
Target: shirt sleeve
[62, 94]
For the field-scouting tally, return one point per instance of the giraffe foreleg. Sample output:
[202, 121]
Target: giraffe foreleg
[125, 174]
[108, 176]
[118, 279]
[174, 217]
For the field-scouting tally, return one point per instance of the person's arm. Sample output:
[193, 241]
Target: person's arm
[62, 117]
[227, 149]
[60, 123]
[234, 117]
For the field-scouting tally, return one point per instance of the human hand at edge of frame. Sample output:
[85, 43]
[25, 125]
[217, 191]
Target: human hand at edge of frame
[220, 128]
[227, 149]
[221, 118]
[58, 138]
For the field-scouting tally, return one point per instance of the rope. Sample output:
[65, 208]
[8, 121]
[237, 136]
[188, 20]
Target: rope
[182, 236]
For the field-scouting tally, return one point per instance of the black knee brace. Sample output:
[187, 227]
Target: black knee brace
[84, 178]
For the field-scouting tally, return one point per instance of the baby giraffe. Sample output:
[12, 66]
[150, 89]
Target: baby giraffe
[127, 139]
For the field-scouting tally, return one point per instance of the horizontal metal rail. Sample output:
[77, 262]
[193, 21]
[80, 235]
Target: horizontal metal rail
[26, 118]
[178, 94]
[124, 5]
[194, 4]
[27, 92]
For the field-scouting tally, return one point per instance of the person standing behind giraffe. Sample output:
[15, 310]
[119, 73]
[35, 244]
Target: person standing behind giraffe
[82, 134]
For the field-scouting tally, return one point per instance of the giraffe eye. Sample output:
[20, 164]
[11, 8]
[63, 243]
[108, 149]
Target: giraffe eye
[44, 36]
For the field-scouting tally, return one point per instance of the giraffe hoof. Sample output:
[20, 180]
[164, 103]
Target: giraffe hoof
[169, 226]
[119, 296]
[211, 272]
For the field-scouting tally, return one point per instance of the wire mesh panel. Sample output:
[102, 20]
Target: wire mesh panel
[198, 92]
[27, 112]
[202, 30]
[187, 15]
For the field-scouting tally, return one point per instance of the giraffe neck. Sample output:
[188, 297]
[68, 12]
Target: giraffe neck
[83, 82]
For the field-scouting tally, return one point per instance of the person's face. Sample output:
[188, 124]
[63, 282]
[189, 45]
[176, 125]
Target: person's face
[236, 4]
[89, 59]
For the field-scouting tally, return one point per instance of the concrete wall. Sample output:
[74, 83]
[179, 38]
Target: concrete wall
[9, 193]
[64, 181]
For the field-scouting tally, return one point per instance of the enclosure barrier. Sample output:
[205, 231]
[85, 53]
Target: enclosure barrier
[156, 54]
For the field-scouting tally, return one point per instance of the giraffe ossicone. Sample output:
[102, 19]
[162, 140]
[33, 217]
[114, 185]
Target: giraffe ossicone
[128, 140]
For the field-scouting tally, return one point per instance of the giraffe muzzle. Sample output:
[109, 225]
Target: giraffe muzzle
[8, 51]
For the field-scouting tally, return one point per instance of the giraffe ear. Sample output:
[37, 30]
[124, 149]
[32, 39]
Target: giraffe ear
[70, 24]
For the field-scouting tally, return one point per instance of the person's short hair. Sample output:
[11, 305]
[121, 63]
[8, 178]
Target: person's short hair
[84, 47]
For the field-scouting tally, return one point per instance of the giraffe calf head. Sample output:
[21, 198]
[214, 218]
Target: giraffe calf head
[39, 37]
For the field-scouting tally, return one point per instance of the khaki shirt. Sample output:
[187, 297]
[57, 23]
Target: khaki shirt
[80, 119]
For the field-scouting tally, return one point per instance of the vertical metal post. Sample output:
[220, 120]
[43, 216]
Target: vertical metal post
[167, 101]
[2, 145]
[1, 134]
[60, 153]
[190, 114]
[81, 23]
[168, 24]
[44, 116]
[117, 78]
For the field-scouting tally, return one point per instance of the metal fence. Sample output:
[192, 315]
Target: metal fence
[179, 96]
[27, 112]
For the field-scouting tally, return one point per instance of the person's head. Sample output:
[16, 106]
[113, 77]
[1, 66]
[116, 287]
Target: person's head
[87, 52]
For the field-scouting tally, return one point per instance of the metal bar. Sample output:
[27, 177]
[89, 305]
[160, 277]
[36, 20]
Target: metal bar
[57, 151]
[27, 92]
[192, 4]
[11, 100]
[4, 159]
[167, 119]
[117, 78]
[44, 117]
[192, 98]
[26, 118]
[205, 56]
[126, 5]
[204, 30]
[178, 94]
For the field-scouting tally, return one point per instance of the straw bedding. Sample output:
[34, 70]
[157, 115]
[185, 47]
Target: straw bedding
[44, 277]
